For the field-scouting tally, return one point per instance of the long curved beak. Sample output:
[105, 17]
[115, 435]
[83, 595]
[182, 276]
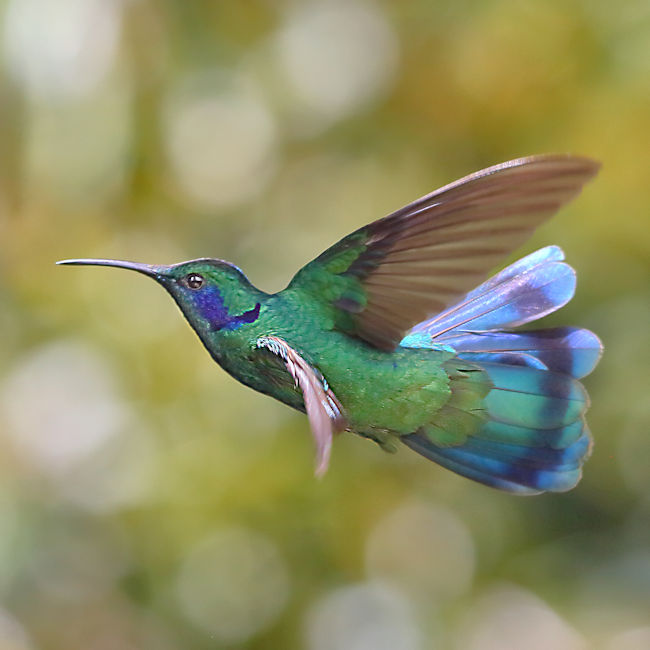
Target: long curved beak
[146, 269]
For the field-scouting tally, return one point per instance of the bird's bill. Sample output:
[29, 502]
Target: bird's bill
[146, 269]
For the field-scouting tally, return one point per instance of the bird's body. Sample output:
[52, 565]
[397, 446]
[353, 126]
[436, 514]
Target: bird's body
[396, 391]
[380, 336]
[381, 392]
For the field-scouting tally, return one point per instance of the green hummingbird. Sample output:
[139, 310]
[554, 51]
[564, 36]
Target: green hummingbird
[384, 334]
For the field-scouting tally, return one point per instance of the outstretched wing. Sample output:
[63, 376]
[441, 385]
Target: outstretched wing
[323, 409]
[394, 273]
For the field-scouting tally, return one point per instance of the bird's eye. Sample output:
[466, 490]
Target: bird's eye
[194, 281]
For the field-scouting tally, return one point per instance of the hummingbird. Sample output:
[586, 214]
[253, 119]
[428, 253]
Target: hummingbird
[394, 333]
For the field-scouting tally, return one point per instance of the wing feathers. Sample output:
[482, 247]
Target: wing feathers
[424, 257]
[324, 411]
[527, 290]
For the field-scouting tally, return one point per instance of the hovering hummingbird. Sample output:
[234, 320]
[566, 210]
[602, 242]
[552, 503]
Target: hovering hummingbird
[379, 335]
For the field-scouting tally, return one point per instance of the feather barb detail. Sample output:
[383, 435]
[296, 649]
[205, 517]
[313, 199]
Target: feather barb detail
[324, 411]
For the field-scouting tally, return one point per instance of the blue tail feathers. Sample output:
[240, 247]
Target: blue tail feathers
[514, 468]
[533, 437]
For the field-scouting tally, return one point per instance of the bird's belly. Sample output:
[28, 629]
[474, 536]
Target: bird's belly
[394, 394]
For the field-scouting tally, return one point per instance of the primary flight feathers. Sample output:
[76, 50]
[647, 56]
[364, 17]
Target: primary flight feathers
[417, 261]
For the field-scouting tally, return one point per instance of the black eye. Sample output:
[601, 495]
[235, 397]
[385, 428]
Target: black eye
[194, 280]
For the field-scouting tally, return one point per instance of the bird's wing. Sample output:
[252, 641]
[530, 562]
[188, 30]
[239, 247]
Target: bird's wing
[324, 411]
[395, 272]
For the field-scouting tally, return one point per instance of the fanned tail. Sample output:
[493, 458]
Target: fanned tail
[529, 434]
[524, 431]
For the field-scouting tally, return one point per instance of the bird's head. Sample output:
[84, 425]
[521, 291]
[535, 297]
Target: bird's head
[214, 295]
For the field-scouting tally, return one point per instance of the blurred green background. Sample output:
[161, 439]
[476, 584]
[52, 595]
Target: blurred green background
[148, 501]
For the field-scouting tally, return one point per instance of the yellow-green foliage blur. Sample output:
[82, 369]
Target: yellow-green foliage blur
[147, 500]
